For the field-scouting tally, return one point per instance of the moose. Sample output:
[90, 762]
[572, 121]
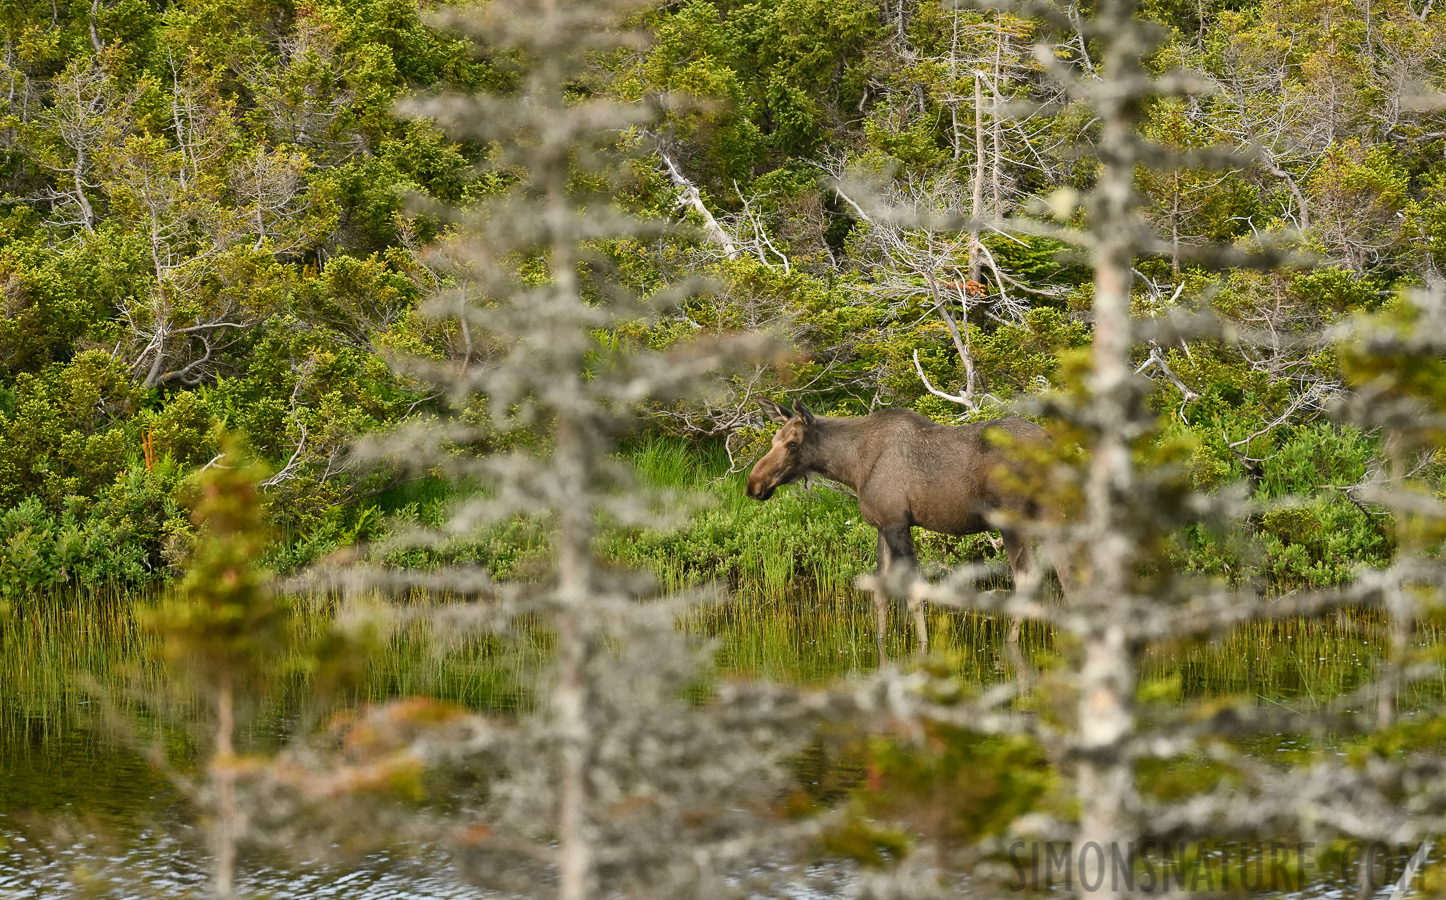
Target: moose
[907, 471]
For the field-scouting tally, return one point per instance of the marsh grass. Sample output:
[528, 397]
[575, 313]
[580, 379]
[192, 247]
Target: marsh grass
[792, 614]
[1299, 664]
[54, 656]
[46, 646]
[817, 637]
[57, 757]
[491, 672]
[63, 655]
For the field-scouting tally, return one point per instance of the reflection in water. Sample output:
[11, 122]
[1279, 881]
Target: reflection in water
[83, 813]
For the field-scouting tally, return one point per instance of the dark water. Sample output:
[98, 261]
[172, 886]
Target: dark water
[84, 813]
[84, 706]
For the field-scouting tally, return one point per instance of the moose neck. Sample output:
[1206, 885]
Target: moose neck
[836, 451]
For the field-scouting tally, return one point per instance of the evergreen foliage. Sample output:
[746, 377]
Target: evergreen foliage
[221, 200]
[1242, 436]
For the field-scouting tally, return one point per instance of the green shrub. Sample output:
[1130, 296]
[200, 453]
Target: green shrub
[130, 536]
[1309, 533]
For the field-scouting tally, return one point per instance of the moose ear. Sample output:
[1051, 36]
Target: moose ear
[774, 411]
[802, 412]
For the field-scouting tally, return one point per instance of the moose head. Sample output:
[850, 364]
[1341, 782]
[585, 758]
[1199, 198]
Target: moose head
[790, 457]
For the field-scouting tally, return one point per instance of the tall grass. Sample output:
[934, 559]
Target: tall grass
[796, 637]
[45, 646]
[1300, 664]
[77, 657]
[492, 672]
[52, 656]
[806, 539]
[792, 615]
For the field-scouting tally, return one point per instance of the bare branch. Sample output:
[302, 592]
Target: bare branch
[690, 197]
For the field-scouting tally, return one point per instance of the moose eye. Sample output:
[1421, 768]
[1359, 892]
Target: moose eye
[792, 444]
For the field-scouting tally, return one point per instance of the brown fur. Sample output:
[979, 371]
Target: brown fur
[906, 471]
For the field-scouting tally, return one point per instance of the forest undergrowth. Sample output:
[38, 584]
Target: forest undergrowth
[201, 235]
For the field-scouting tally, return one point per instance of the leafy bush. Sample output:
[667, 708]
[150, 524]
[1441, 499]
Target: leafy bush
[131, 536]
[61, 435]
[1310, 531]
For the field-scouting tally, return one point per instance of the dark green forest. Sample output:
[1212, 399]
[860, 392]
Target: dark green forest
[216, 219]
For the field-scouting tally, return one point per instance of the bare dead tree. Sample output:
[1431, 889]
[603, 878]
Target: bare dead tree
[690, 197]
[87, 113]
[931, 264]
[272, 186]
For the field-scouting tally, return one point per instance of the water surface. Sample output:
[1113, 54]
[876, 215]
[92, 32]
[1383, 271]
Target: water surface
[83, 809]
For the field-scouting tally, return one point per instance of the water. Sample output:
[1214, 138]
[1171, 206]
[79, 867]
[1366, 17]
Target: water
[154, 863]
[83, 812]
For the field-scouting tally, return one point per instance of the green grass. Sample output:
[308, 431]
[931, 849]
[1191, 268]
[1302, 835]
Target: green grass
[794, 637]
[802, 541]
[45, 646]
[1299, 664]
[791, 614]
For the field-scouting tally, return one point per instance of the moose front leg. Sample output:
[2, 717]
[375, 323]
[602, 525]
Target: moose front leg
[881, 599]
[899, 575]
[896, 554]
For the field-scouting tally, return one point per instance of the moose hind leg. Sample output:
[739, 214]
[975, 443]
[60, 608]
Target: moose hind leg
[1024, 563]
[916, 606]
[898, 569]
[1025, 572]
